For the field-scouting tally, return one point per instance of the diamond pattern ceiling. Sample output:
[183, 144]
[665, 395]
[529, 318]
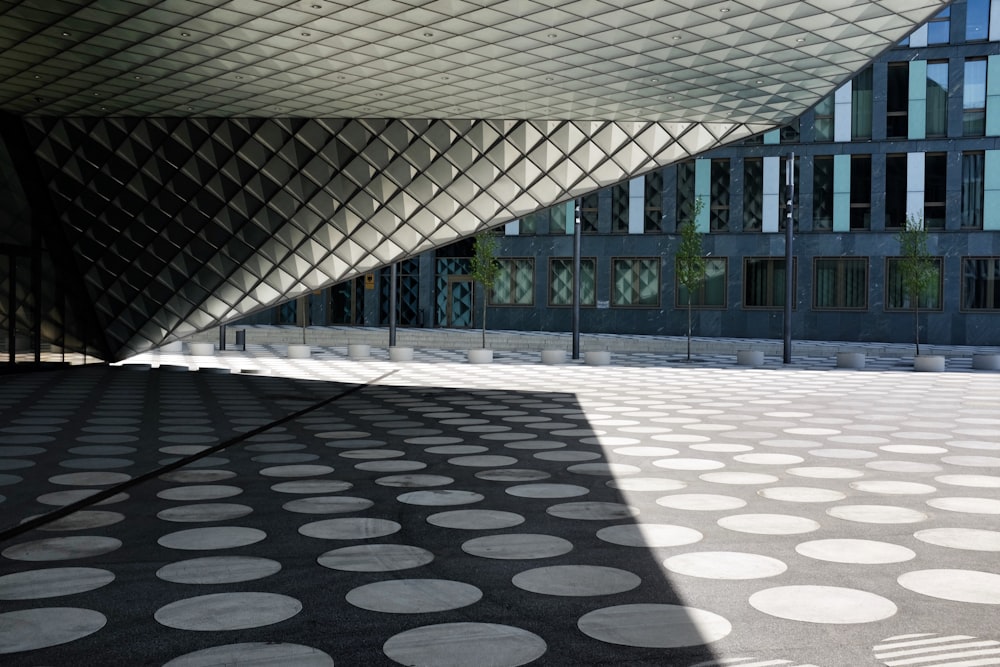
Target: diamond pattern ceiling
[203, 159]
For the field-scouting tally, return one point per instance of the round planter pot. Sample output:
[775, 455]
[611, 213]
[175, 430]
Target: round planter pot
[986, 362]
[553, 356]
[201, 349]
[480, 356]
[749, 358]
[597, 358]
[929, 363]
[851, 360]
[176, 347]
[359, 351]
[401, 354]
[299, 351]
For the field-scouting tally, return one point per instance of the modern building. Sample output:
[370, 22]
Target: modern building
[916, 133]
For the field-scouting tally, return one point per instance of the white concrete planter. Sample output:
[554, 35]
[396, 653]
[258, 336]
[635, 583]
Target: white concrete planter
[929, 363]
[480, 356]
[299, 351]
[553, 356]
[986, 362]
[851, 360]
[749, 358]
[174, 347]
[401, 353]
[359, 351]
[597, 358]
[202, 349]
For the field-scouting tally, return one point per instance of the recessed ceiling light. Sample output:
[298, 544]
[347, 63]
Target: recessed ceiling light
[97, 94]
[446, 78]
[428, 34]
[65, 34]
[317, 6]
[379, 94]
[552, 35]
[548, 78]
[675, 37]
[239, 77]
[800, 39]
[306, 34]
[185, 34]
[759, 81]
[341, 77]
[190, 108]
[37, 76]
[724, 10]
[652, 80]
[137, 77]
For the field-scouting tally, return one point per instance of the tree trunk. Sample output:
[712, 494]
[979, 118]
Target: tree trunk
[484, 320]
[689, 327]
[916, 325]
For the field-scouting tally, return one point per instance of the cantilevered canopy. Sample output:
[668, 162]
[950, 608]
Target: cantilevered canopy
[202, 159]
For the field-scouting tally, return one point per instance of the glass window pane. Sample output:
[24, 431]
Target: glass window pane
[861, 105]
[977, 20]
[974, 98]
[823, 192]
[636, 282]
[939, 27]
[981, 283]
[896, 296]
[973, 190]
[937, 99]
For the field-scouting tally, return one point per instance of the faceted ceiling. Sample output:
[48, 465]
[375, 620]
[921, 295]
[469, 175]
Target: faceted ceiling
[202, 159]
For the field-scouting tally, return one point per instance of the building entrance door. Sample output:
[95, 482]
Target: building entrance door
[460, 302]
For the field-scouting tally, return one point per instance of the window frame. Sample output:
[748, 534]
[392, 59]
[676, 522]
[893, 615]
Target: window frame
[491, 300]
[840, 274]
[993, 290]
[569, 260]
[743, 285]
[887, 299]
[657, 262]
[897, 102]
[682, 304]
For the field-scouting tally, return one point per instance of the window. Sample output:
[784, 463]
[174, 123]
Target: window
[635, 281]
[935, 187]
[685, 191]
[977, 20]
[515, 284]
[719, 204]
[530, 223]
[783, 195]
[974, 99]
[764, 282]
[619, 208]
[561, 281]
[981, 283]
[895, 191]
[861, 105]
[939, 27]
[712, 291]
[557, 219]
[861, 191]
[753, 194]
[652, 215]
[588, 213]
[840, 283]
[823, 192]
[897, 100]
[973, 190]
[823, 120]
[937, 99]
[896, 296]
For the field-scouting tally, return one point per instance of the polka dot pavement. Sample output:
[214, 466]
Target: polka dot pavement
[330, 510]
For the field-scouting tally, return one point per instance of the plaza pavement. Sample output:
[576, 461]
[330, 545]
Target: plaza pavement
[255, 509]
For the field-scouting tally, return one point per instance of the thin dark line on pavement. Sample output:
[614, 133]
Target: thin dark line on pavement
[66, 510]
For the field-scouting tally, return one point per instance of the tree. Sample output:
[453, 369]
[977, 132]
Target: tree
[485, 268]
[690, 263]
[917, 270]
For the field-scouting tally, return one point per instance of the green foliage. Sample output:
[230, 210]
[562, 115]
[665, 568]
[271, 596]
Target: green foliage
[917, 270]
[484, 268]
[689, 256]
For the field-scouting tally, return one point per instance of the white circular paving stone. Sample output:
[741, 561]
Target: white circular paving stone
[905, 467]
[970, 481]
[825, 472]
[833, 453]
[967, 505]
[769, 524]
[464, 644]
[604, 469]
[254, 653]
[200, 492]
[228, 611]
[414, 481]
[855, 552]
[592, 511]
[738, 478]
[298, 470]
[547, 490]
[63, 498]
[955, 585]
[52, 582]
[197, 476]
[375, 558]
[372, 454]
[440, 497]
[801, 494]
[389, 465]
[517, 546]
[576, 580]
[823, 604]
[513, 475]
[654, 625]
[353, 528]
[31, 629]
[204, 512]
[646, 535]
[892, 487]
[62, 548]
[328, 505]
[102, 450]
[483, 461]
[646, 451]
[767, 459]
[83, 520]
[566, 455]
[655, 484]
[878, 514]
[218, 570]
[703, 502]
[721, 448]
[973, 461]
[727, 565]
[689, 464]
[475, 519]
[90, 478]
[913, 449]
[970, 539]
[312, 486]
[414, 596]
[205, 539]
[535, 445]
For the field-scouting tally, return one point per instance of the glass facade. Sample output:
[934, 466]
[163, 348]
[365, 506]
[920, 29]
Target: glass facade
[840, 283]
[635, 281]
[561, 281]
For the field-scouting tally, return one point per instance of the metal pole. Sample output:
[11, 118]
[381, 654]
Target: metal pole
[222, 337]
[789, 264]
[577, 234]
[392, 304]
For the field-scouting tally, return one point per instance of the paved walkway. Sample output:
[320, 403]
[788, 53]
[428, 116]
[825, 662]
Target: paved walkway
[365, 512]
